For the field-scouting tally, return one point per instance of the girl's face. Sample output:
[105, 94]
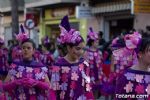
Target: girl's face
[27, 50]
[76, 51]
[96, 43]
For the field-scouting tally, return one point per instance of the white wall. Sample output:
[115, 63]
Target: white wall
[141, 21]
[94, 23]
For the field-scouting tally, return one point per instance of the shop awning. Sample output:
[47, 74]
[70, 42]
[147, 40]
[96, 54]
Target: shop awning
[40, 3]
[111, 7]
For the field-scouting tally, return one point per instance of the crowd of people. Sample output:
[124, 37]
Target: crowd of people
[77, 69]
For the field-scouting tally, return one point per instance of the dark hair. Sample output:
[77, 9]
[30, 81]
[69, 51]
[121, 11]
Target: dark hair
[90, 42]
[47, 46]
[62, 48]
[120, 43]
[30, 41]
[144, 44]
[100, 33]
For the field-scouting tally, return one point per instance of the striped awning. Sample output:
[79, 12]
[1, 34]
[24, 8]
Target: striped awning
[111, 7]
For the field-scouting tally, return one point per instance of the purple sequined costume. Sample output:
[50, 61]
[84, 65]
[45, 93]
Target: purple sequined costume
[16, 53]
[46, 59]
[94, 58]
[71, 81]
[132, 84]
[20, 86]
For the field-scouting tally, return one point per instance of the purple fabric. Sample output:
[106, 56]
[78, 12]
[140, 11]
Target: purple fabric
[46, 59]
[16, 53]
[137, 82]
[27, 80]
[9, 86]
[62, 75]
[31, 63]
[61, 61]
[65, 23]
[95, 60]
[22, 29]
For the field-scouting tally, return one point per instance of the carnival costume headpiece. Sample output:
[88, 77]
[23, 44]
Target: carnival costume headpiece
[22, 35]
[68, 35]
[126, 56]
[46, 40]
[117, 43]
[92, 35]
[1, 40]
[132, 40]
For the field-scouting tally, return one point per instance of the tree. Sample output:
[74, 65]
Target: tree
[15, 18]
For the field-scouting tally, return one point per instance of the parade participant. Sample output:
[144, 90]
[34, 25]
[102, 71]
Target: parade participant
[16, 53]
[126, 56]
[60, 51]
[70, 74]
[3, 60]
[27, 79]
[94, 57]
[134, 83]
[46, 57]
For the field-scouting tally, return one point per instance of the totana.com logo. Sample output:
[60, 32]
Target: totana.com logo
[139, 96]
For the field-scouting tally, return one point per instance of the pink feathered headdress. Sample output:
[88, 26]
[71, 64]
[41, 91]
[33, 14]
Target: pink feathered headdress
[132, 40]
[22, 35]
[92, 35]
[68, 35]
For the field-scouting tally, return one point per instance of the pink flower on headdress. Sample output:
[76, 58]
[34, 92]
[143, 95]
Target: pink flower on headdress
[114, 41]
[132, 40]
[72, 36]
[22, 36]
[68, 35]
[63, 34]
[92, 35]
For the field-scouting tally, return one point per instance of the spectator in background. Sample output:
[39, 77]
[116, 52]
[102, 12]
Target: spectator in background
[101, 40]
[10, 44]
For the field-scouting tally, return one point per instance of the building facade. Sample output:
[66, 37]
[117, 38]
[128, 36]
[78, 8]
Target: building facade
[110, 16]
[117, 16]
[51, 13]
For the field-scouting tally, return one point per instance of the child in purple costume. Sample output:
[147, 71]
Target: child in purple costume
[27, 79]
[70, 74]
[135, 80]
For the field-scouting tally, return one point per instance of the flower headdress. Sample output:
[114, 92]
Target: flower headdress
[22, 35]
[118, 43]
[68, 35]
[46, 40]
[92, 35]
[126, 56]
[132, 40]
[1, 40]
